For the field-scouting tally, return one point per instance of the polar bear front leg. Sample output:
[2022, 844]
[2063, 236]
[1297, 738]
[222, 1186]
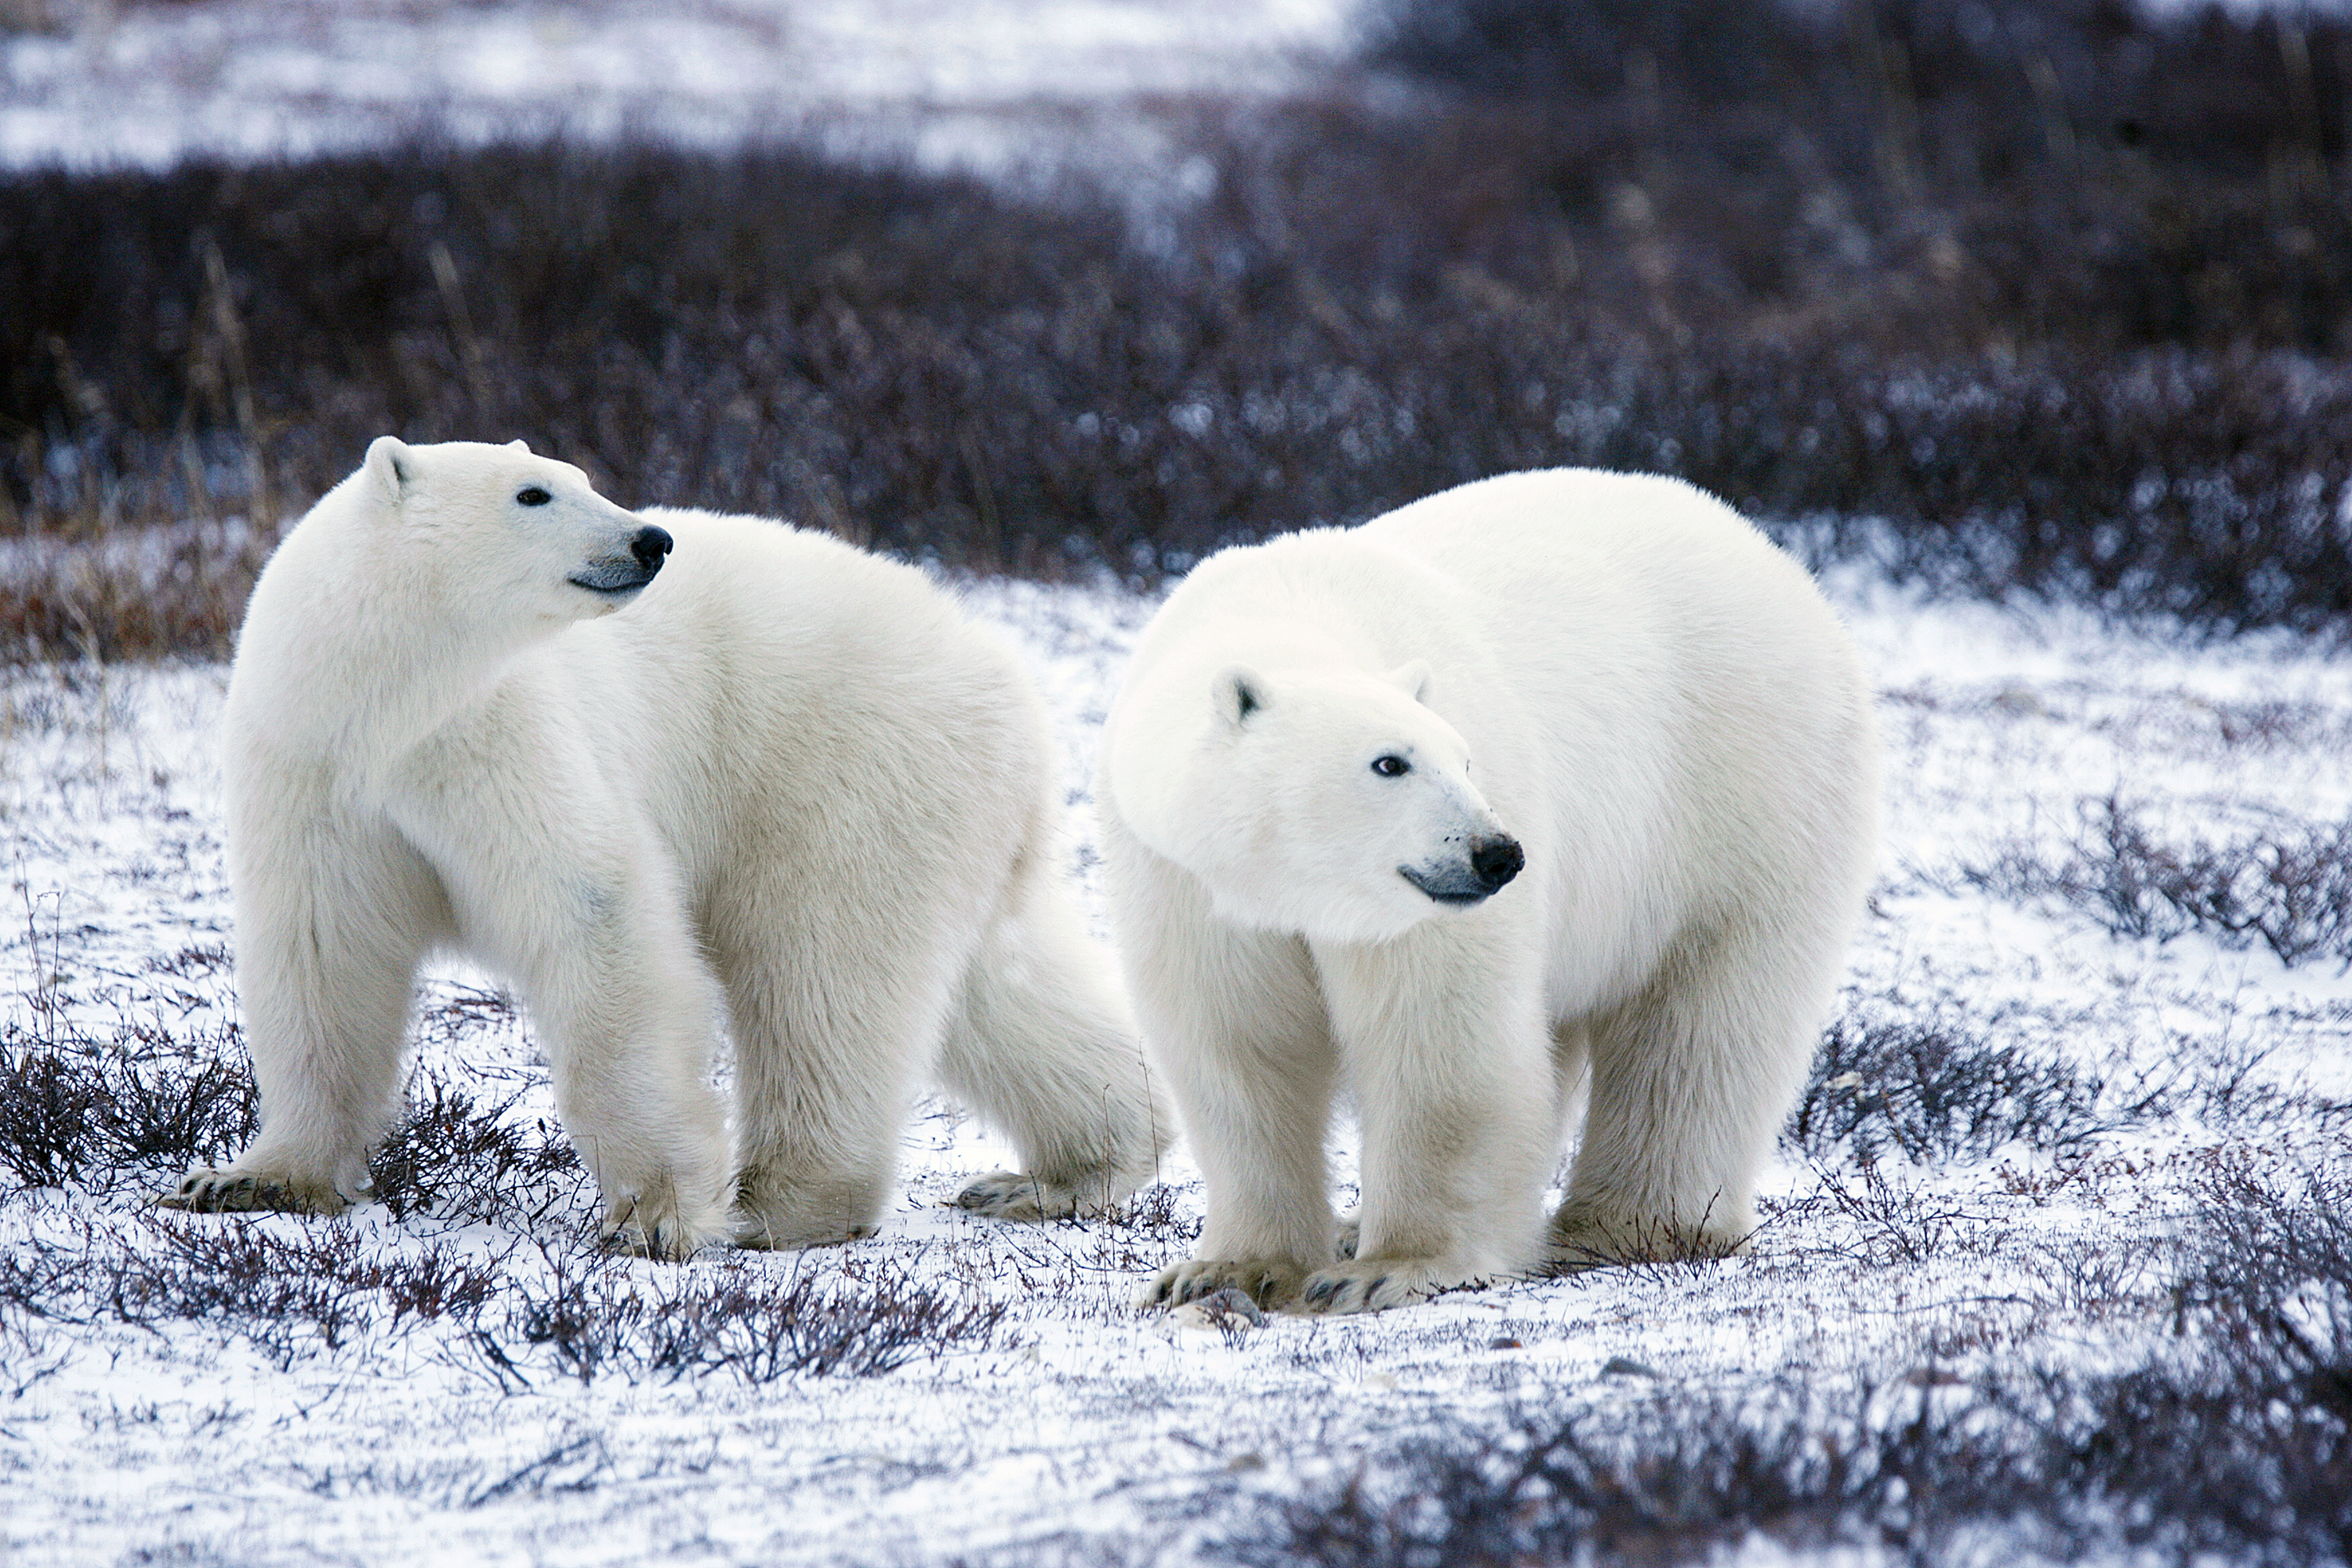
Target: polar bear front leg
[1237, 1024]
[1450, 1069]
[576, 899]
[627, 1013]
[1256, 1100]
[331, 921]
[1256, 1107]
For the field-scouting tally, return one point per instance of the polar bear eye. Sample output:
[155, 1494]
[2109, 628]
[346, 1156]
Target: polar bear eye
[531, 495]
[1392, 766]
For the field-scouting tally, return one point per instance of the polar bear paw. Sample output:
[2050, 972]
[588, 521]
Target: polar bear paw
[1372, 1285]
[1268, 1281]
[660, 1223]
[1017, 1195]
[233, 1191]
[779, 1213]
[1579, 1243]
[757, 1234]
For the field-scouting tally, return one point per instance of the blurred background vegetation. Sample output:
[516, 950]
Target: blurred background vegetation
[2038, 296]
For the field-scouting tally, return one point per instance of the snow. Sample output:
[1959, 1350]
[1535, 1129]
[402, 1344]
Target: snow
[992, 85]
[1082, 1426]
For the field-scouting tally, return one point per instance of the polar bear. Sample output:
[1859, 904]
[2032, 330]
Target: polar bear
[765, 779]
[1557, 786]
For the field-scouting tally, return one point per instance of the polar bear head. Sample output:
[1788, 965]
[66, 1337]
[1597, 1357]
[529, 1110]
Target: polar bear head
[506, 533]
[1328, 801]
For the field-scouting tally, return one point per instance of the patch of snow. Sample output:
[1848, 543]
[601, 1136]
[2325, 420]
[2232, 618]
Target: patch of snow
[995, 86]
[1085, 1428]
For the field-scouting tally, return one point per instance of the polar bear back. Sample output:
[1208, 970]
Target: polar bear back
[1682, 677]
[792, 645]
[1656, 699]
[1596, 593]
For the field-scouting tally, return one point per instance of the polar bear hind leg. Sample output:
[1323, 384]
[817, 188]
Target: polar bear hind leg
[830, 1035]
[1687, 1083]
[1041, 1045]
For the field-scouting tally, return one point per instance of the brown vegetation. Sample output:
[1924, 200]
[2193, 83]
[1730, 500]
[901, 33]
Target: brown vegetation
[2052, 297]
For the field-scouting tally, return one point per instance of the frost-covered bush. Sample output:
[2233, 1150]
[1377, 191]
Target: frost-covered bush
[2234, 1443]
[2288, 888]
[1932, 1090]
[77, 1107]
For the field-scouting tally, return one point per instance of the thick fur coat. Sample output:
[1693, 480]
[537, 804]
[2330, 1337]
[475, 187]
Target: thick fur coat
[1557, 788]
[761, 779]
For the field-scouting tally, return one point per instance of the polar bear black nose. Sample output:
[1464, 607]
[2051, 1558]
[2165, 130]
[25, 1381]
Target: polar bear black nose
[649, 546]
[1495, 861]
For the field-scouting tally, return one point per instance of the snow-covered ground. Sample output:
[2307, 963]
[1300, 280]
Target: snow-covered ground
[1042, 1416]
[990, 85]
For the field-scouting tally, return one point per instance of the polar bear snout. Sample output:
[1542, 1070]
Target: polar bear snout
[1490, 864]
[1495, 861]
[648, 547]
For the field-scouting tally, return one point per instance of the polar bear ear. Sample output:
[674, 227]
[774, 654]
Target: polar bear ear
[390, 466]
[1412, 677]
[517, 444]
[1241, 692]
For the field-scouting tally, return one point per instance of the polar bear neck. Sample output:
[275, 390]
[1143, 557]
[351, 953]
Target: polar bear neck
[342, 627]
[1178, 702]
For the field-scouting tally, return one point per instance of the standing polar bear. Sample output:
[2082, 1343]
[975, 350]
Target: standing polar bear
[1560, 781]
[774, 781]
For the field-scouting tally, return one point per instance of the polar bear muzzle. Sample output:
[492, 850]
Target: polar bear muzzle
[1492, 863]
[615, 574]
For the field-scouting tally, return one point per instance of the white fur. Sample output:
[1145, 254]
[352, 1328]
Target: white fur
[789, 787]
[1661, 710]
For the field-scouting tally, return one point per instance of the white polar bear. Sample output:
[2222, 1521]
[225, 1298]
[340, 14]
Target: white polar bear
[1332, 757]
[788, 785]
